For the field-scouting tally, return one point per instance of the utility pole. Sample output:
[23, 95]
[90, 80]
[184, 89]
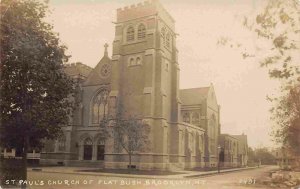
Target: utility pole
[219, 150]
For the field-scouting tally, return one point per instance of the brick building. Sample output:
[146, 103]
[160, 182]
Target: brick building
[143, 75]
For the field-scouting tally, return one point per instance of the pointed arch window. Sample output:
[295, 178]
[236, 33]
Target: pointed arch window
[191, 142]
[62, 143]
[100, 106]
[163, 35]
[195, 118]
[141, 31]
[213, 127]
[168, 38]
[138, 61]
[186, 117]
[88, 141]
[130, 34]
[131, 62]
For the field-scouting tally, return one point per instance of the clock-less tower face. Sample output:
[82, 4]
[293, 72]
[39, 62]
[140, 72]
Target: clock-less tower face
[105, 71]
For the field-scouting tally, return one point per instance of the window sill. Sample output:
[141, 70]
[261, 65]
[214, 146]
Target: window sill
[134, 42]
[135, 65]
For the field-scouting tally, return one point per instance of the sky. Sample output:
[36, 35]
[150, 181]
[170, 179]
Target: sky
[241, 86]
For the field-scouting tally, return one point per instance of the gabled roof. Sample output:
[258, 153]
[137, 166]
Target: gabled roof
[77, 70]
[95, 76]
[242, 138]
[193, 96]
[229, 136]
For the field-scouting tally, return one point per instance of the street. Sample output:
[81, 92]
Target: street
[234, 180]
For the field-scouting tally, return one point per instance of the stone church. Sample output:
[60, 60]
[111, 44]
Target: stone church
[143, 75]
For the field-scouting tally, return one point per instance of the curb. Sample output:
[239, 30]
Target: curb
[177, 176]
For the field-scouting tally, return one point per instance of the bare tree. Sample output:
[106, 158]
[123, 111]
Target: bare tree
[132, 135]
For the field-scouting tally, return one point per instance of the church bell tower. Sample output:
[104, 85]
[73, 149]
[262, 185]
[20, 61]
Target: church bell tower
[145, 71]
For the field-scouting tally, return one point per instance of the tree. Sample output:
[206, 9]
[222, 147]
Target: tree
[277, 30]
[286, 114]
[132, 135]
[279, 24]
[252, 159]
[129, 134]
[35, 91]
[264, 156]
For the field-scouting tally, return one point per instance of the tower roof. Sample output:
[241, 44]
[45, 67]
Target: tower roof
[147, 8]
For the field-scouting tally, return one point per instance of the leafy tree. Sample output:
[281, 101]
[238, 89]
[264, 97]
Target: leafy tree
[264, 156]
[35, 92]
[277, 30]
[286, 114]
[251, 156]
[279, 24]
[260, 155]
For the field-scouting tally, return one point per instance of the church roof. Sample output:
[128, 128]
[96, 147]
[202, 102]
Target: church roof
[193, 95]
[77, 70]
[228, 136]
[241, 137]
[242, 140]
[95, 77]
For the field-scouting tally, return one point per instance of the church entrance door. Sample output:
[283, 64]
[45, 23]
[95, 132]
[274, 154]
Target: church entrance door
[87, 152]
[100, 149]
[100, 152]
[88, 149]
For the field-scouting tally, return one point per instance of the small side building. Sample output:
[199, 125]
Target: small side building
[200, 108]
[228, 154]
[242, 149]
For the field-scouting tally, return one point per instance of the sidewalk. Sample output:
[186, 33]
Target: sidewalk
[205, 173]
[178, 175]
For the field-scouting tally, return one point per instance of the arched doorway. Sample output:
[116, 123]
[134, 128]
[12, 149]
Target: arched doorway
[100, 149]
[87, 149]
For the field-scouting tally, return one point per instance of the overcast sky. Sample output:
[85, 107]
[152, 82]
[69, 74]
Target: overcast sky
[241, 85]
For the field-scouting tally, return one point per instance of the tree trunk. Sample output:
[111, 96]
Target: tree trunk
[24, 161]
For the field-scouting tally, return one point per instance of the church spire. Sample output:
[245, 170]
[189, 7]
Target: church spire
[105, 49]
